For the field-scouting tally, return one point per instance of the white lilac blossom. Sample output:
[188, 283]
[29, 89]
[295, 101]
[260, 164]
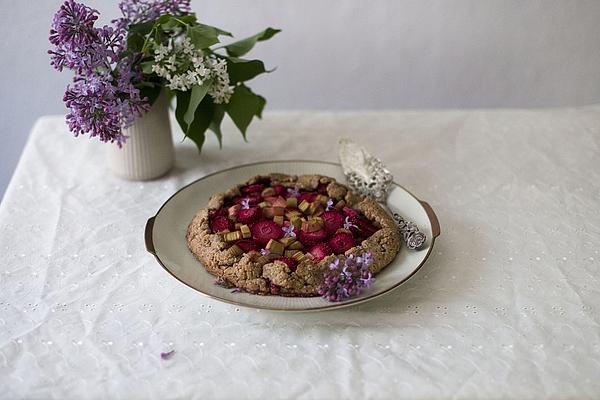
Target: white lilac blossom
[183, 66]
[349, 279]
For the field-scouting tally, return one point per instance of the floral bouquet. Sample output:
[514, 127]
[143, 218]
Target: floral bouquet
[120, 69]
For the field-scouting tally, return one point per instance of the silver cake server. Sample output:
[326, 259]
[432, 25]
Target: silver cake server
[368, 176]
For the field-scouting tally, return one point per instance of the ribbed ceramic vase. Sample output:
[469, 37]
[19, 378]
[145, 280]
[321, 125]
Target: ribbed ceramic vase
[148, 152]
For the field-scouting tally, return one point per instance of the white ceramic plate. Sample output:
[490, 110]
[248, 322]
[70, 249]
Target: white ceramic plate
[165, 237]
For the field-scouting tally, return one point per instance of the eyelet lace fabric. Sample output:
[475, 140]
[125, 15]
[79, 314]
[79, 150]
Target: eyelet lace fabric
[507, 306]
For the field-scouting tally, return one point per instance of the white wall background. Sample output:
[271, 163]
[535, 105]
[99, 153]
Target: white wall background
[351, 54]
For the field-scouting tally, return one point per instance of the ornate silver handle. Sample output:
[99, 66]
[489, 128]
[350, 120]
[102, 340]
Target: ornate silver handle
[368, 176]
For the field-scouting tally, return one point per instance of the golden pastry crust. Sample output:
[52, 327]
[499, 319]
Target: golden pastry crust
[259, 275]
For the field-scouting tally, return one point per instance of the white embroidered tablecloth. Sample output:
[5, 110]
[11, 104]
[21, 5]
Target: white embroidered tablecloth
[507, 306]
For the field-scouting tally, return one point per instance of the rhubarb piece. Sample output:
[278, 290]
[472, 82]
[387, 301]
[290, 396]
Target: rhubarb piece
[333, 220]
[320, 251]
[296, 222]
[289, 253]
[268, 192]
[247, 245]
[303, 206]
[232, 236]
[314, 206]
[299, 256]
[275, 247]
[246, 233]
[235, 250]
[311, 225]
[279, 202]
[297, 245]
[287, 241]
[292, 202]
[247, 216]
[293, 213]
[220, 223]
[233, 210]
[278, 219]
[340, 204]
[264, 204]
[312, 238]
[341, 242]
[322, 199]
[265, 230]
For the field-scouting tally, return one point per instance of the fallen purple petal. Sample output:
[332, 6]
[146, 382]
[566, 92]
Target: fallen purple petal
[167, 355]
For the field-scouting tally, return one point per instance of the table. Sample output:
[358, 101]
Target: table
[507, 306]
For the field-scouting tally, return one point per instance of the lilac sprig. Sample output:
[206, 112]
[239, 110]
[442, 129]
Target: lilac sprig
[102, 98]
[136, 11]
[294, 192]
[347, 279]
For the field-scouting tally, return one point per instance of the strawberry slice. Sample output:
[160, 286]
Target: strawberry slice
[247, 245]
[247, 216]
[265, 230]
[291, 263]
[350, 212]
[363, 228]
[341, 242]
[320, 251]
[308, 196]
[219, 224]
[279, 190]
[312, 238]
[333, 220]
[256, 188]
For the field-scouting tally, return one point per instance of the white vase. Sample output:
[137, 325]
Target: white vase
[148, 153]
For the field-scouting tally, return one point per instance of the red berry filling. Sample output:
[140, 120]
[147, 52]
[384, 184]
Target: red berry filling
[263, 213]
[265, 230]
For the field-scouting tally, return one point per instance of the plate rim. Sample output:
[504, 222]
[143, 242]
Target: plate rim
[149, 230]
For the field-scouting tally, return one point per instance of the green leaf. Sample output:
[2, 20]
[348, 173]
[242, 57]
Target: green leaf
[243, 70]
[147, 67]
[202, 120]
[243, 46]
[183, 99]
[142, 29]
[243, 106]
[197, 94]
[203, 36]
[215, 124]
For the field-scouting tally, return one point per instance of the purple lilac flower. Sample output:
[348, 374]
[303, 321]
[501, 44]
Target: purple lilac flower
[329, 205]
[135, 11]
[102, 98]
[294, 192]
[167, 355]
[348, 279]
[265, 252]
[289, 231]
[348, 224]
[245, 204]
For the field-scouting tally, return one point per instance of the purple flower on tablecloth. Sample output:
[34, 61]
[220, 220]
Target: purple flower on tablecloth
[135, 11]
[102, 98]
[348, 279]
[167, 355]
